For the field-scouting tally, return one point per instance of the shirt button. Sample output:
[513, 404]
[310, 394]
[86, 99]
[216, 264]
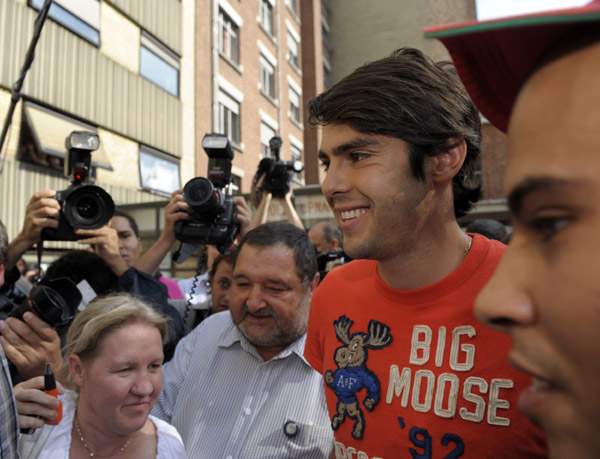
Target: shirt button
[247, 411]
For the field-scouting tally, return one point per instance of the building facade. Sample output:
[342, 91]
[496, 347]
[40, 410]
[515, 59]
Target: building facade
[122, 69]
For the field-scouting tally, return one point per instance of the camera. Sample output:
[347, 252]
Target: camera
[54, 301]
[327, 260]
[82, 206]
[213, 218]
[278, 173]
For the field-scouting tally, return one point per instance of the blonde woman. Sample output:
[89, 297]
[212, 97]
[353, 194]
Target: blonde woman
[113, 379]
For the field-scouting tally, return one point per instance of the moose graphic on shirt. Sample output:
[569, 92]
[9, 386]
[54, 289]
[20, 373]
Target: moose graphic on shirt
[352, 374]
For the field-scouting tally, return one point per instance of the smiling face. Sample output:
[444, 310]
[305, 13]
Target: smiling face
[379, 205]
[546, 293]
[130, 246]
[269, 304]
[120, 384]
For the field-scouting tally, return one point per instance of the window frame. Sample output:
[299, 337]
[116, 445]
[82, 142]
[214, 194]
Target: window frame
[227, 24]
[293, 51]
[229, 117]
[266, 72]
[165, 57]
[74, 21]
[266, 130]
[161, 157]
[266, 17]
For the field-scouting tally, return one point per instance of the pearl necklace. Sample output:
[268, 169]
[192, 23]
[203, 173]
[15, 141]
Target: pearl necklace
[92, 454]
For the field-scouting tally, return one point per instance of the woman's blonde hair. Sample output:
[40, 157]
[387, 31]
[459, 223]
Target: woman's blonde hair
[101, 318]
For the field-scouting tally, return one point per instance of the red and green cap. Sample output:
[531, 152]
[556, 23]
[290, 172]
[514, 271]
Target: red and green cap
[494, 58]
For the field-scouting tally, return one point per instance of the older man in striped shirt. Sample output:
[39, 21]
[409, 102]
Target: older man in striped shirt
[239, 385]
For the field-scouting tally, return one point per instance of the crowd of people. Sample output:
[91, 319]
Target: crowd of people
[432, 342]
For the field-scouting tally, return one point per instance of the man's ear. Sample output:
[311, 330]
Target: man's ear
[314, 283]
[1, 274]
[446, 165]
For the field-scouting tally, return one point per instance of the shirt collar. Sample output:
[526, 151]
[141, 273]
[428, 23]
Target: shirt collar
[234, 336]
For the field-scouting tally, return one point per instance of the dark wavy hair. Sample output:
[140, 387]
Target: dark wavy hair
[410, 97]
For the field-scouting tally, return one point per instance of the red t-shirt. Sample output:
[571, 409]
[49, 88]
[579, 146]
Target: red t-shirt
[414, 373]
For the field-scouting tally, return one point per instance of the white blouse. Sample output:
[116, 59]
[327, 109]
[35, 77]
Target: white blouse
[55, 441]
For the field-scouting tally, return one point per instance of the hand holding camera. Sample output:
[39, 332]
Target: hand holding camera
[41, 212]
[30, 343]
[213, 212]
[81, 205]
[105, 242]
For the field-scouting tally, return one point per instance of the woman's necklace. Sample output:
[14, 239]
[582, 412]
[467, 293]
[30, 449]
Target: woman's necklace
[92, 454]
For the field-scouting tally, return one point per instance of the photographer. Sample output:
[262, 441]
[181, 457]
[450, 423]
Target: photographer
[327, 239]
[30, 342]
[39, 404]
[177, 209]
[260, 216]
[273, 179]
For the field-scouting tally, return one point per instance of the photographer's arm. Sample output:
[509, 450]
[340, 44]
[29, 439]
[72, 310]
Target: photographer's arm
[176, 210]
[105, 242]
[244, 216]
[30, 344]
[42, 212]
[260, 216]
[290, 211]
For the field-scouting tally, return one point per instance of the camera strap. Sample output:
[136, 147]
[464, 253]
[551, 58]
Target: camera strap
[39, 249]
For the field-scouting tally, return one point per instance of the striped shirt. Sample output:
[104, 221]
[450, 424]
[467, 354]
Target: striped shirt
[9, 427]
[226, 402]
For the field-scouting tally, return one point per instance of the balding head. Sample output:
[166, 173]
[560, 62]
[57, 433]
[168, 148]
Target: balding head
[326, 236]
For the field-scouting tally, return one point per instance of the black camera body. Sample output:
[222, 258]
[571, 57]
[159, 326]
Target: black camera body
[82, 206]
[326, 257]
[278, 173]
[213, 218]
[54, 301]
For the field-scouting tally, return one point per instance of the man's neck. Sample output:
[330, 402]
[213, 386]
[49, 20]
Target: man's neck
[432, 258]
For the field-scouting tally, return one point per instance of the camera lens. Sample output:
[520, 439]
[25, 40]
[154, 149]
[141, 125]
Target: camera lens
[88, 207]
[201, 196]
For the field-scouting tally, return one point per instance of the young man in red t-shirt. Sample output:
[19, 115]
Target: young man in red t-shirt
[408, 370]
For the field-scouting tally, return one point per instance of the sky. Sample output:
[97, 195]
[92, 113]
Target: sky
[490, 9]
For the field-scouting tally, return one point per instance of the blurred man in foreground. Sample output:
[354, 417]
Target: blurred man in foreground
[545, 76]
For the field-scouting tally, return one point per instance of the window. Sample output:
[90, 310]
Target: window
[265, 15]
[229, 117]
[326, 73]
[293, 50]
[236, 185]
[228, 38]
[296, 156]
[43, 135]
[294, 97]
[81, 17]
[293, 5]
[158, 172]
[266, 134]
[325, 33]
[159, 65]
[267, 77]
